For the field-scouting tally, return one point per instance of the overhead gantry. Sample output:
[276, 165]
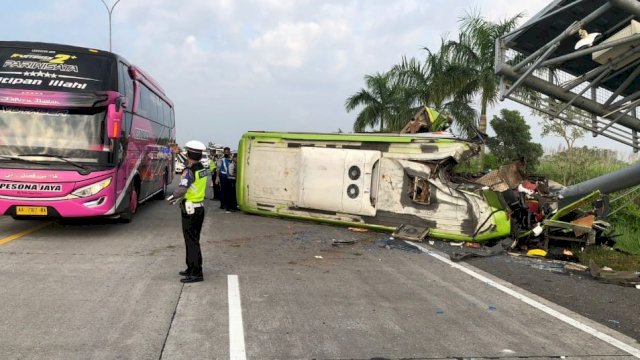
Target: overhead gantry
[579, 61]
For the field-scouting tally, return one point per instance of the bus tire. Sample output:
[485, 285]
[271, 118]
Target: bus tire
[161, 195]
[132, 208]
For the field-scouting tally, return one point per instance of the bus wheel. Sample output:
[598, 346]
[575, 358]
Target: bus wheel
[128, 214]
[161, 195]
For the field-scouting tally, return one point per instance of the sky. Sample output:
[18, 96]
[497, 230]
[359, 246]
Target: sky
[231, 66]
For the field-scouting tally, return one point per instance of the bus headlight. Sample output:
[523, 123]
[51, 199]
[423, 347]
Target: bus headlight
[92, 189]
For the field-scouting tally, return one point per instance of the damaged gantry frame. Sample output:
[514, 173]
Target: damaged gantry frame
[579, 61]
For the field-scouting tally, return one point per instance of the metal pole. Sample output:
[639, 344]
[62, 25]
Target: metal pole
[110, 11]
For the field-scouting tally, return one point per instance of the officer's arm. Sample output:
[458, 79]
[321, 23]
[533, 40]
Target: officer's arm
[179, 192]
[185, 181]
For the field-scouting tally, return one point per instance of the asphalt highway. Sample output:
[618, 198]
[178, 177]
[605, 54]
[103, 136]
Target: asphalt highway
[273, 289]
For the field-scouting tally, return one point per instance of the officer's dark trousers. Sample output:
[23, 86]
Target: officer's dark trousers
[227, 192]
[216, 188]
[191, 226]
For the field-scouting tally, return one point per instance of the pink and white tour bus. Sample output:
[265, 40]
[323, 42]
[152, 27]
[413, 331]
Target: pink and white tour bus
[82, 133]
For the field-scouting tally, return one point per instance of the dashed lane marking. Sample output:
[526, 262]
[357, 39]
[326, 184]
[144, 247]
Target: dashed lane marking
[237, 349]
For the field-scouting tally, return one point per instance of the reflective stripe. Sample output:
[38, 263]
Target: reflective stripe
[224, 169]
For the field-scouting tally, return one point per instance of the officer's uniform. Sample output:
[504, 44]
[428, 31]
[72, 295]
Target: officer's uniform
[193, 186]
[194, 178]
[225, 185]
[216, 188]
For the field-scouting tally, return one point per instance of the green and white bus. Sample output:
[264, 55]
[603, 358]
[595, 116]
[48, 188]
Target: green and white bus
[376, 181]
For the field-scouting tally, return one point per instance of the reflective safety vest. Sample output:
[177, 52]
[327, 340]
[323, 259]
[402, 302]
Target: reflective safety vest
[197, 190]
[224, 167]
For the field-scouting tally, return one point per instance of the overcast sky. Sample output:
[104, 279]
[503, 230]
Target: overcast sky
[234, 65]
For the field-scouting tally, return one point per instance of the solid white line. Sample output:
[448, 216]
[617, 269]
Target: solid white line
[236, 329]
[577, 324]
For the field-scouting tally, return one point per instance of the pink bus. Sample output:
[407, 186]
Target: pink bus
[82, 133]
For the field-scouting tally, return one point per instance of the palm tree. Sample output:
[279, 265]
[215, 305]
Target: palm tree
[475, 49]
[439, 83]
[377, 100]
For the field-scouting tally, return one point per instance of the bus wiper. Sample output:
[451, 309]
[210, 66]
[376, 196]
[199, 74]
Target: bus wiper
[15, 158]
[85, 170]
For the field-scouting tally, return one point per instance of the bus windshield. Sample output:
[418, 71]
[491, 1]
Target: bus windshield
[60, 136]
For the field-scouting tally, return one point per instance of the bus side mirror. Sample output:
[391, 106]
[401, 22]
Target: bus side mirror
[114, 120]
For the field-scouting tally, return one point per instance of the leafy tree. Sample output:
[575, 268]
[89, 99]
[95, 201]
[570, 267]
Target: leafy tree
[475, 50]
[513, 139]
[570, 134]
[377, 101]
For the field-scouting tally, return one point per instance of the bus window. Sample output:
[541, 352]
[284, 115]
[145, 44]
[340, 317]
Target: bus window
[125, 85]
[168, 121]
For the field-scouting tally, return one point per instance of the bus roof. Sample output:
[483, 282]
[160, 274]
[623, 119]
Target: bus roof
[139, 73]
[59, 47]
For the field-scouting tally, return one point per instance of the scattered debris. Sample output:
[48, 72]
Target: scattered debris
[410, 232]
[335, 242]
[391, 243]
[357, 229]
[318, 257]
[575, 267]
[483, 251]
[536, 253]
[544, 214]
[491, 308]
[624, 278]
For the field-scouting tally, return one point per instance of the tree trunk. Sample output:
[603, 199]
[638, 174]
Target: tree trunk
[482, 126]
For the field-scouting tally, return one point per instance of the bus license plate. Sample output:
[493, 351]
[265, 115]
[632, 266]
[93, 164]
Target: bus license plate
[31, 210]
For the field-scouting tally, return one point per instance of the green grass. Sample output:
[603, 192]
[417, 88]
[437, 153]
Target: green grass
[609, 257]
[629, 239]
[627, 258]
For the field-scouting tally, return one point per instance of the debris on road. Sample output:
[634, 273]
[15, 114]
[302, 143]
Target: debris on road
[575, 267]
[624, 278]
[335, 242]
[357, 229]
[391, 243]
[481, 251]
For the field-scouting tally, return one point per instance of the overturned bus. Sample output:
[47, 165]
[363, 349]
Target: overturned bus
[377, 181]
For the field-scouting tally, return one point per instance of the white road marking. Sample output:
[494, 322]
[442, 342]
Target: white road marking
[577, 324]
[237, 350]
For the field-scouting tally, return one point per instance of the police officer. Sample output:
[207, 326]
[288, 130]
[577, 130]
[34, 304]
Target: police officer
[190, 194]
[223, 179]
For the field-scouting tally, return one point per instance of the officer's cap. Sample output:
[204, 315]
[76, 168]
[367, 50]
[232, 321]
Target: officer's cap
[195, 149]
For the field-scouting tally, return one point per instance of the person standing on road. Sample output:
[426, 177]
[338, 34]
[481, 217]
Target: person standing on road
[223, 178]
[212, 170]
[190, 194]
[233, 168]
